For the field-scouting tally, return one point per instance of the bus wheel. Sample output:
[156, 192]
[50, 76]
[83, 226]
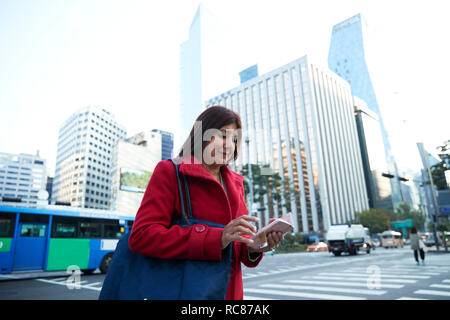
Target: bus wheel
[105, 263]
[88, 271]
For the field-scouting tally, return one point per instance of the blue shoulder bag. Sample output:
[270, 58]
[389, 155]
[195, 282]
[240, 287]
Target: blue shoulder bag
[133, 276]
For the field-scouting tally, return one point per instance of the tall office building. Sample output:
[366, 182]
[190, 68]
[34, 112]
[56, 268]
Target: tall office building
[133, 162]
[166, 144]
[348, 58]
[372, 152]
[22, 177]
[203, 66]
[299, 120]
[83, 160]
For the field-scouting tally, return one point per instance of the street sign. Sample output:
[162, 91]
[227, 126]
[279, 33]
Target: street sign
[403, 223]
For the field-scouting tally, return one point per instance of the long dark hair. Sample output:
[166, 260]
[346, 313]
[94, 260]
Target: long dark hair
[413, 230]
[214, 117]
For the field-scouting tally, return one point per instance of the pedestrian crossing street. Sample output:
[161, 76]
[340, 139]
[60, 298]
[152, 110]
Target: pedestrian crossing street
[357, 283]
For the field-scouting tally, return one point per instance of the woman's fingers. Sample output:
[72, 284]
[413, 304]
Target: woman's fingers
[241, 230]
[245, 221]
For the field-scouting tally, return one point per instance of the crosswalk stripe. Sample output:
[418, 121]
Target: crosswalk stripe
[350, 274]
[446, 281]
[302, 294]
[433, 292]
[347, 284]
[327, 289]
[422, 267]
[396, 272]
[257, 298]
[362, 278]
[409, 298]
[442, 286]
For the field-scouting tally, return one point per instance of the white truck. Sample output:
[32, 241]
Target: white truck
[347, 238]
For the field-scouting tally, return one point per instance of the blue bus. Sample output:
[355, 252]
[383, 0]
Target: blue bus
[54, 238]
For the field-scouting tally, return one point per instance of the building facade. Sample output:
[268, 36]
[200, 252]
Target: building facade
[203, 66]
[22, 176]
[84, 157]
[348, 57]
[166, 144]
[372, 152]
[133, 162]
[299, 120]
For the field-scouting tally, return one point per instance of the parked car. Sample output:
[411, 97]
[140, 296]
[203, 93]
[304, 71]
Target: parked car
[316, 247]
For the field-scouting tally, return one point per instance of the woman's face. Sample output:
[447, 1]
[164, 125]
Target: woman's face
[222, 144]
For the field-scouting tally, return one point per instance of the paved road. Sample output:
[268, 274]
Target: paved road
[382, 274]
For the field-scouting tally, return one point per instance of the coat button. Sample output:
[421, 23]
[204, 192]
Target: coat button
[200, 228]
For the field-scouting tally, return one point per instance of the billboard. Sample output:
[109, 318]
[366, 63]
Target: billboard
[134, 180]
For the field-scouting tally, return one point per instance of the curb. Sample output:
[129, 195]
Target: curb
[36, 275]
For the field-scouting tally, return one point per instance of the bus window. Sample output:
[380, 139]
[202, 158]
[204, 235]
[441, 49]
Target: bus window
[112, 231]
[64, 227]
[33, 230]
[7, 224]
[90, 228]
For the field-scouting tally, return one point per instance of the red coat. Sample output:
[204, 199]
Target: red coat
[150, 234]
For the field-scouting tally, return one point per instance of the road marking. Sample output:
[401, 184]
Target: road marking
[252, 274]
[362, 278]
[409, 298]
[327, 289]
[302, 294]
[63, 283]
[350, 274]
[433, 292]
[446, 281]
[395, 272]
[442, 286]
[347, 284]
[60, 279]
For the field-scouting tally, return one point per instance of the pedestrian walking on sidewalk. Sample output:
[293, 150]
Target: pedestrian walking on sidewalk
[417, 245]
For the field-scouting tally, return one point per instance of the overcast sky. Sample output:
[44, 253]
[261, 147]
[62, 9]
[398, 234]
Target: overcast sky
[58, 56]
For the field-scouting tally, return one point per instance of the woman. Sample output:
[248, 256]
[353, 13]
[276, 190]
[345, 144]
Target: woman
[217, 195]
[415, 245]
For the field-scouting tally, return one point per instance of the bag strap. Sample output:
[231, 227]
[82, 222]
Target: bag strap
[188, 199]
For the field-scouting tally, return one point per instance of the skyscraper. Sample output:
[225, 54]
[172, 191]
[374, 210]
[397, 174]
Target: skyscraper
[22, 176]
[83, 161]
[348, 58]
[299, 121]
[203, 66]
[166, 144]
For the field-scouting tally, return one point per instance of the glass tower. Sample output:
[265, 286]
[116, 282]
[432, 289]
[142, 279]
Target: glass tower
[347, 57]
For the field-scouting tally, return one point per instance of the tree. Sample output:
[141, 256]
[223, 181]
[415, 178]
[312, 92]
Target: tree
[438, 170]
[404, 212]
[377, 220]
[269, 184]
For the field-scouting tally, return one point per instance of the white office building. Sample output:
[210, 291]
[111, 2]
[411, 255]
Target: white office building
[299, 120]
[133, 162]
[83, 162]
[22, 176]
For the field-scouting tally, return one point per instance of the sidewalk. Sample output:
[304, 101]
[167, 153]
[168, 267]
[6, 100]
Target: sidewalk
[27, 275]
